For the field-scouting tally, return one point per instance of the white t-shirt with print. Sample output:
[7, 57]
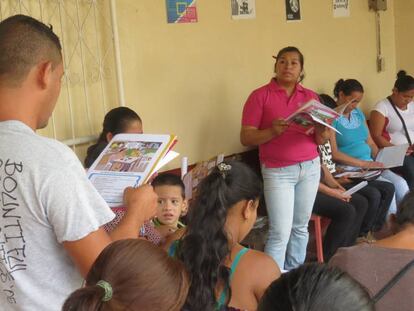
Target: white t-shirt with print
[395, 128]
[45, 199]
[325, 153]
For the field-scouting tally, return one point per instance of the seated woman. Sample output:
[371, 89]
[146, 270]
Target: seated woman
[315, 287]
[345, 212]
[223, 272]
[378, 194]
[132, 275]
[118, 120]
[392, 122]
[374, 265]
[355, 146]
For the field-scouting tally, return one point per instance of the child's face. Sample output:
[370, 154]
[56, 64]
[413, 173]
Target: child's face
[171, 204]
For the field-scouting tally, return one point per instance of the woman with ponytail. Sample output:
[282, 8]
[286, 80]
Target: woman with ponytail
[118, 120]
[132, 275]
[392, 122]
[355, 147]
[222, 272]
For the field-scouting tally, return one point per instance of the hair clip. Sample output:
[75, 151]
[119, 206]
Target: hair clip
[223, 168]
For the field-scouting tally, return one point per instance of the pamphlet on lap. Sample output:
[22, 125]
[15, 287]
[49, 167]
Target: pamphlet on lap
[355, 188]
[129, 160]
[311, 112]
[359, 174]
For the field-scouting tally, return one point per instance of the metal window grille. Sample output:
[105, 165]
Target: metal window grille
[92, 81]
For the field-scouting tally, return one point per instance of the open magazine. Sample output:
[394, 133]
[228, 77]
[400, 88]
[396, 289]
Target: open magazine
[311, 112]
[129, 160]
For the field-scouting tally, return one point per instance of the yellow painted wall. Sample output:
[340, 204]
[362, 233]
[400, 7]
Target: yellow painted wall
[193, 79]
[404, 14]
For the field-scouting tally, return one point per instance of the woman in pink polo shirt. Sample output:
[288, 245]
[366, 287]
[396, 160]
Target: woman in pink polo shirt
[289, 158]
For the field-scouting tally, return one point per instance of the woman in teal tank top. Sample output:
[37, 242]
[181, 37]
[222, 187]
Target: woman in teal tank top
[224, 274]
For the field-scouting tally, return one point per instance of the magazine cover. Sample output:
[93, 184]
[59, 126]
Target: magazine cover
[313, 111]
[129, 160]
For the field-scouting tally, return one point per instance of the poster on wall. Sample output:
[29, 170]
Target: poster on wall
[293, 10]
[341, 8]
[243, 9]
[181, 11]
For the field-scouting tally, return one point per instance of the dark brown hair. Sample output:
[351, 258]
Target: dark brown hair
[404, 82]
[347, 87]
[405, 210]
[315, 287]
[24, 42]
[116, 121]
[142, 277]
[168, 179]
[205, 246]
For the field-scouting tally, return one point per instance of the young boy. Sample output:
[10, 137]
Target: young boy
[171, 203]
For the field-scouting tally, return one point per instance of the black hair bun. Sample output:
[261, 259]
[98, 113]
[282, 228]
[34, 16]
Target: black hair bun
[338, 87]
[401, 74]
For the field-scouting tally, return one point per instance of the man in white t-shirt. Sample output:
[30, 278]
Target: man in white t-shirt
[50, 214]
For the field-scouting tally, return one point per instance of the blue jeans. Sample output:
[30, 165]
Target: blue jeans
[290, 193]
[401, 188]
[407, 170]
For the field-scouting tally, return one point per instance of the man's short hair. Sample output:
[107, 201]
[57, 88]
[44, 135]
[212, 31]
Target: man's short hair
[24, 42]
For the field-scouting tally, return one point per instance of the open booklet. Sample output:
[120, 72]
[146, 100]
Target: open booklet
[129, 160]
[392, 156]
[311, 112]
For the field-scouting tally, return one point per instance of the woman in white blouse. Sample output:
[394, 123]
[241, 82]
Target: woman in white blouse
[392, 122]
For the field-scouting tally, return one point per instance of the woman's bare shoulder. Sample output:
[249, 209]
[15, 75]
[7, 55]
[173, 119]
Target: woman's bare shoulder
[262, 264]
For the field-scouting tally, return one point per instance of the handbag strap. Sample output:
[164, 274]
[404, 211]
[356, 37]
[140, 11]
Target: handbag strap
[392, 282]
[401, 118]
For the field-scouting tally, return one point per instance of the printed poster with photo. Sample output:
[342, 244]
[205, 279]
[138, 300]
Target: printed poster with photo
[181, 11]
[341, 8]
[293, 10]
[243, 9]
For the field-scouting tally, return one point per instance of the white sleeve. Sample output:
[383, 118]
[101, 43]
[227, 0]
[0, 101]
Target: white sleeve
[72, 205]
[382, 107]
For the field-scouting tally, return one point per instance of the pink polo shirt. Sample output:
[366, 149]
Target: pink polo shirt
[268, 103]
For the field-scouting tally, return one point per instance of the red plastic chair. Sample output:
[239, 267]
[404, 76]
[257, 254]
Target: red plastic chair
[319, 223]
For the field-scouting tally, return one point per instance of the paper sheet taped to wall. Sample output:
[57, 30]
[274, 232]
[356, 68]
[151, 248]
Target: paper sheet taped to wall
[181, 11]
